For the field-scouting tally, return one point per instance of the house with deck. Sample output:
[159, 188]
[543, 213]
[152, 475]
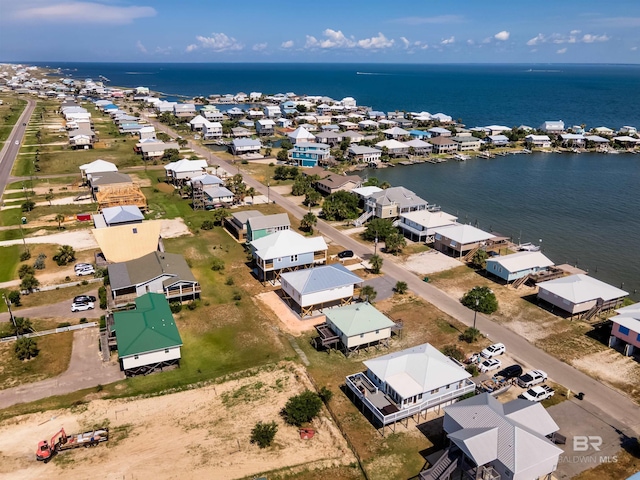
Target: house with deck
[306, 154]
[537, 141]
[286, 251]
[123, 215]
[439, 132]
[240, 146]
[491, 440]
[460, 240]
[393, 147]
[552, 127]
[420, 225]
[236, 224]
[625, 329]
[335, 183]
[407, 383]
[265, 126]
[360, 154]
[497, 140]
[147, 337]
[97, 166]
[467, 142]
[517, 265]
[197, 122]
[183, 170]
[155, 150]
[418, 147]
[355, 327]
[318, 288]
[443, 144]
[393, 202]
[580, 294]
[156, 272]
[259, 226]
[211, 130]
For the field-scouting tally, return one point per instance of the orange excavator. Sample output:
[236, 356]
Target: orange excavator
[61, 441]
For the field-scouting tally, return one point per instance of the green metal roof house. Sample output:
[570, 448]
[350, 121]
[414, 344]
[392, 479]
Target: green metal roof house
[147, 337]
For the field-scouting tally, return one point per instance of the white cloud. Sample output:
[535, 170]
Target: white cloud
[487, 40]
[336, 39]
[141, 48]
[448, 41]
[633, 49]
[83, 12]
[164, 50]
[191, 48]
[312, 42]
[438, 19]
[562, 50]
[219, 42]
[588, 38]
[470, 42]
[536, 40]
[259, 47]
[574, 32]
[287, 44]
[376, 43]
[405, 42]
[502, 36]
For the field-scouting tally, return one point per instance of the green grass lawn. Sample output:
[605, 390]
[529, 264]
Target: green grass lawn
[9, 258]
[10, 110]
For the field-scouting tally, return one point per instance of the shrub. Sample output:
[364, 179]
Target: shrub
[480, 299]
[263, 433]
[175, 307]
[83, 320]
[237, 296]
[453, 352]
[28, 206]
[229, 281]
[192, 305]
[217, 265]
[103, 321]
[39, 263]
[66, 254]
[25, 270]
[369, 293]
[401, 287]
[29, 283]
[102, 295]
[479, 259]
[22, 326]
[26, 348]
[325, 394]
[470, 335]
[14, 297]
[207, 225]
[302, 408]
[63, 325]
[473, 370]
[24, 256]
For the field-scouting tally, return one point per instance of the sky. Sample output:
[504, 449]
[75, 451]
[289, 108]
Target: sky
[331, 31]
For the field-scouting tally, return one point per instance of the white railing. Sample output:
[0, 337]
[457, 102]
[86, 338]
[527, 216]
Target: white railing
[70, 328]
[412, 410]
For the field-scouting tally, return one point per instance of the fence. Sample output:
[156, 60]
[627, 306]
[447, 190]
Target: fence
[70, 328]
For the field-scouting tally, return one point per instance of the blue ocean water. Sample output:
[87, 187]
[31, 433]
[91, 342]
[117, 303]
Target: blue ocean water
[585, 208]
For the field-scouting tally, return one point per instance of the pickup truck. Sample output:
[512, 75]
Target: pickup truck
[537, 394]
[531, 378]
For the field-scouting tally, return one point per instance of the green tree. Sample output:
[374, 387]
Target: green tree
[25, 270]
[302, 184]
[163, 137]
[14, 297]
[340, 206]
[345, 144]
[286, 144]
[376, 263]
[302, 408]
[66, 254]
[28, 205]
[22, 326]
[470, 335]
[479, 259]
[26, 348]
[371, 182]
[301, 108]
[480, 299]
[308, 222]
[379, 228]
[49, 196]
[59, 218]
[282, 155]
[171, 155]
[264, 433]
[453, 352]
[395, 242]
[251, 192]
[401, 287]
[281, 172]
[312, 198]
[29, 283]
[368, 293]
[182, 142]
[218, 215]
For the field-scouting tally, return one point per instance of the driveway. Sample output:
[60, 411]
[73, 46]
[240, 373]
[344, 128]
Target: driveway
[86, 370]
[60, 310]
[599, 396]
[383, 286]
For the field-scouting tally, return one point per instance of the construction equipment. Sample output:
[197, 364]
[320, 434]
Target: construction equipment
[61, 441]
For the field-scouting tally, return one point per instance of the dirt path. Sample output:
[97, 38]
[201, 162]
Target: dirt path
[86, 369]
[201, 433]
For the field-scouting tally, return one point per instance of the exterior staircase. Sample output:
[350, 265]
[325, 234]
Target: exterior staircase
[593, 311]
[444, 466]
[520, 281]
[471, 253]
[363, 218]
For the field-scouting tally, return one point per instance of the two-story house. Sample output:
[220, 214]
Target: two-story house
[259, 226]
[306, 154]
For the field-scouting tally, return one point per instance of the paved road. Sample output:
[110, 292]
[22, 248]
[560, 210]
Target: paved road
[86, 370]
[10, 149]
[60, 310]
[598, 396]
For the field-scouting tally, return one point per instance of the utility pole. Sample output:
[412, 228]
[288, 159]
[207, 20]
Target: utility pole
[26, 249]
[13, 320]
[268, 192]
[475, 313]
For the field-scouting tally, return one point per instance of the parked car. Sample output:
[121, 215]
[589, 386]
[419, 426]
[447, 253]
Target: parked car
[512, 371]
[532, 378]
[17, 142]
[493, 350]
[84, 299]
[537, 394]
[85, 271]
[491, 364]
[80, 307]
[81, 266]
[345, 254]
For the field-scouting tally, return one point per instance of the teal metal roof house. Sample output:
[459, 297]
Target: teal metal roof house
[263, 225]
[147, 337]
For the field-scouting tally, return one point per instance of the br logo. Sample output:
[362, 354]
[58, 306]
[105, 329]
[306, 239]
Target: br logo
[582, 443]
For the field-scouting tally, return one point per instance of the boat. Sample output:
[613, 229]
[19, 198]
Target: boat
[494, 387]
[461, 157]
[104, 79]
[528, 247]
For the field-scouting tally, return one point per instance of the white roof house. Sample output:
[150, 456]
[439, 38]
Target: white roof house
[395, 132]
[122, 215]
[579, 293]
[509, 438]
[552, 126]
[97, 166]
[364, 154]
[459, 238]
[197, 122]
[364, 192]
[542, 141]
[357, 325]
[517, 265]
[421, 224]
[185, 168]
[299, 135]
[319, 287]
[393, 146]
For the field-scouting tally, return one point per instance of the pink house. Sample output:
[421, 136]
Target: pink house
[626, 329]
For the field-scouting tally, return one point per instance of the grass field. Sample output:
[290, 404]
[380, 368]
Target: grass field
[55, 353]
[9, 258]
[10, 110]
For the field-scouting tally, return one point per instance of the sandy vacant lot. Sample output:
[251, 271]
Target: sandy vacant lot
[201, 433]
[430, 261]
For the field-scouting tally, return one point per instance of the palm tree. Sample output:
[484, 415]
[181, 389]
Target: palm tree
[251, 192]
[49, 196]
[369, 293]
[60, 219]
[376, 263]
[308, 222]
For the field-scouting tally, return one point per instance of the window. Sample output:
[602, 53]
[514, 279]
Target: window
[136, 357]
[420, 396]
[623, 330]
[638, 339]
[433, 392]
[294, 258]
[135, 230]
[377, 332]
[166, 350]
